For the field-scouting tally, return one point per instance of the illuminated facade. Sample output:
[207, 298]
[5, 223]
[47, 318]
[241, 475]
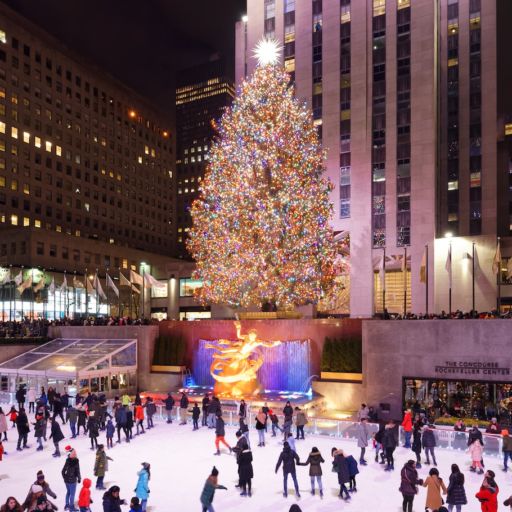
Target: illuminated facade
[404, 97]
[202, 94]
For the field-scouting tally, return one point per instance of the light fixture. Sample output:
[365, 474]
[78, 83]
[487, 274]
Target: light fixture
[448, 234]
[245, 19]
[166, 134]
[132, 113]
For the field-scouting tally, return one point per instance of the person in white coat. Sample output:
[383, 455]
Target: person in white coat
[362, 439]
[31, 396]
[3, 425]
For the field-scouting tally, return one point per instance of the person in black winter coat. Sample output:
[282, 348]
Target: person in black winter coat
[416, 443]
[456, 495]
[82, 420]
[183, 409]
[150, 411]
[169, 404]
[111, 500]
[94, 431]
[57, 408]
[129, 424]
[340, 466]
[389, 443]
[428, 440]
[204, 408]
[288, 458]
[120, 416]
[409, 485]
[245, 471]
[288, 411]
[71, 476]
[23, 428]
[56, 436]
[220, 432]
[196, 413]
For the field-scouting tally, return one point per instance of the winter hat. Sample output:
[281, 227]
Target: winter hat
[114, 488]
[238, 433]
[40, 475]
[145, 465]
[68, 448]
[215, 471]
[295, 508]
[41, 500]
[36, 488]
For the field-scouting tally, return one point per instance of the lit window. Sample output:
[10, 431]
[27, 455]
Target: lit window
[58, 229]
[48, 146]
[508, 128]
[453, 62]
[2, 127]
[475, 181]
[14, 220]
[453, 217]
[345, 13]
[146, 150]
[3, 37]
[26, 137]
[2, 181]
[379, 7]
[58, 150]
[289, 65]
[125, 263]
[402, 4]
[37, 223]
[139, 160]
[14, 185]
[26, 189]
[37, 142]
[26, 221]
[87, 206]
[453, 185]
[14, 132]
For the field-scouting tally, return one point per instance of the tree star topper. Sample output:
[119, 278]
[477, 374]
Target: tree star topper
[267, 52]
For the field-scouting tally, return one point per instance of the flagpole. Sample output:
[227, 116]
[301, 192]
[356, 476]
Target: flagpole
[384, 281]
[21, 295]
[473, 280]
[97, 294]
[426, 279]
[54, 300]
[131, 295]
[119, 295]
[86, 294]
[106, 292]
[33, 294]
[450, 280]
[11, 288]
[405, 281]
[143, 290]
[498, 277]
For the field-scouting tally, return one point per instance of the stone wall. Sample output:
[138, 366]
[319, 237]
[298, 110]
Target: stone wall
[9, 351]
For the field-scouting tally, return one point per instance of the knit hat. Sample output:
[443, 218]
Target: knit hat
[36, 488]
[68, 448]
[215, 471]
[40, 475]
[41, 500]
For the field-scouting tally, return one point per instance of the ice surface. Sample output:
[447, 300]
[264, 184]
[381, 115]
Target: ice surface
[182, 459]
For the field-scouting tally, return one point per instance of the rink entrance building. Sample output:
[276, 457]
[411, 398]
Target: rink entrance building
[106, 366]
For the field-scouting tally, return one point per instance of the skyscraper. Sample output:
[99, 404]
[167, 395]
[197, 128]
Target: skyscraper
[404, 95]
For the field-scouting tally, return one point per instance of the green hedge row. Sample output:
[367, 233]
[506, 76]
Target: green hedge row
[36, 340]
[169, 351]
[342, 355]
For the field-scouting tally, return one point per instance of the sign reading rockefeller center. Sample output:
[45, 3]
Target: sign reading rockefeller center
[471, 368]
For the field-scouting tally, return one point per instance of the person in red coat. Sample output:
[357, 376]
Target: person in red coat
[407, 426]
[488, 493]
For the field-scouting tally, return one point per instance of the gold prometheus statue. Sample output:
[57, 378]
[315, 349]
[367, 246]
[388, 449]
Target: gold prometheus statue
[236, 363]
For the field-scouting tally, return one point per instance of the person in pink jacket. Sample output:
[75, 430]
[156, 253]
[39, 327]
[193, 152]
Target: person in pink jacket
[476, 450]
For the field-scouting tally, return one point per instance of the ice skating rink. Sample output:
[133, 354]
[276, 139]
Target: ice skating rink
[182, 459]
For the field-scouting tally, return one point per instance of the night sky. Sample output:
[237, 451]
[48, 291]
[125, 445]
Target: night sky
[143, 43]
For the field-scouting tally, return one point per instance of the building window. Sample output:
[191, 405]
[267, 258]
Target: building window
[40, 248]
[188, 286]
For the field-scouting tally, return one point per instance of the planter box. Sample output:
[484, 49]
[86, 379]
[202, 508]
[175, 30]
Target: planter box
[167, 369]
[352, 377]
[265, 315]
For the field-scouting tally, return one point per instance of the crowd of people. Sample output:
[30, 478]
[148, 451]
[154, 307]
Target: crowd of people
[454, 315]
[129, 417]
[23, 329]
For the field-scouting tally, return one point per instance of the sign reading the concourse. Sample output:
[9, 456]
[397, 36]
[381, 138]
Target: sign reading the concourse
[471, 368]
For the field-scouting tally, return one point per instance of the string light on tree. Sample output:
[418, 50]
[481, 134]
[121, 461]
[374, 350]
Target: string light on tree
[261, 223]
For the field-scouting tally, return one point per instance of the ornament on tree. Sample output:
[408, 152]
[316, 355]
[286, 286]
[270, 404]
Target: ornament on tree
[261, 229]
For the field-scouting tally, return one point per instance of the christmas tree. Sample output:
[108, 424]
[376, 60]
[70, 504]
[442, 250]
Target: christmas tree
[261, 223]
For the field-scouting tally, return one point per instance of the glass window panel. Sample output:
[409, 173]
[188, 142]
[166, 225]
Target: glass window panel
[127, 357]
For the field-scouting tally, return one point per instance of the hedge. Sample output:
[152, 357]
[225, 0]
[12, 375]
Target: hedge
[36, 340]
[169, 351]
[342, 355]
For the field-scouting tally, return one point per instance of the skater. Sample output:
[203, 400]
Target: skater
[416, 444]
[58, 408]
[301, 420]
[20, 396]
[363, 412]
[71, 476]
[93, 429]
[362, 439]
[407, 426]
[120, 417]
[84, 498]
[82, 419]
[220, 432]
[183, 408]
[456, 493]
[275, 422]
[353, 470]
[204, 407]
[476, 435]
[245, 471]
[261, 418]
[377, 444]
[242, 409]
[434, 484]
[11, 505]
[111, 500]
[3, 425]
[428, 440]
[129, 424]
[244, 429]
[476, 450]
[139, 419]
[288, 419]
[169, 404]
[101, 466]
[57, 436]
[40, 430]
[210, 486]
[45, 486]
[142, 487]
[13, 416]
[507, 448]
[288, 458]
[150, 411]
[109, 431]
[135, 504]
[212, 411]
[314, 461]
[409, 482]
[290, 440]
[340, 466]
[390, 442]
[488, 493]
[72, 417]
[196, 413]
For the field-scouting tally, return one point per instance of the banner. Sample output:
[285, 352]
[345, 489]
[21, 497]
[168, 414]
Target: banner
[136, 278]
[151, 282]
[112, 285]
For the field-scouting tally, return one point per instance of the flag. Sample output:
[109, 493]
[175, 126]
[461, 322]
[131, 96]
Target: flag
[124, 282]
[90, 288]
[77, 283]
[448, 264]
[111, 284]
[151, 282]
[496, 262]
[7, 277]
[64, 286]
[19, 278]
[40, 285]
[25, 284]
[51, 289]
[99, 289]
[509, 268]
[136, 278]
[423, 267]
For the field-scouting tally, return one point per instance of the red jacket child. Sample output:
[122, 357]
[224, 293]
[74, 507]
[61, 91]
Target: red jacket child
[488, 497]
[84, 499]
